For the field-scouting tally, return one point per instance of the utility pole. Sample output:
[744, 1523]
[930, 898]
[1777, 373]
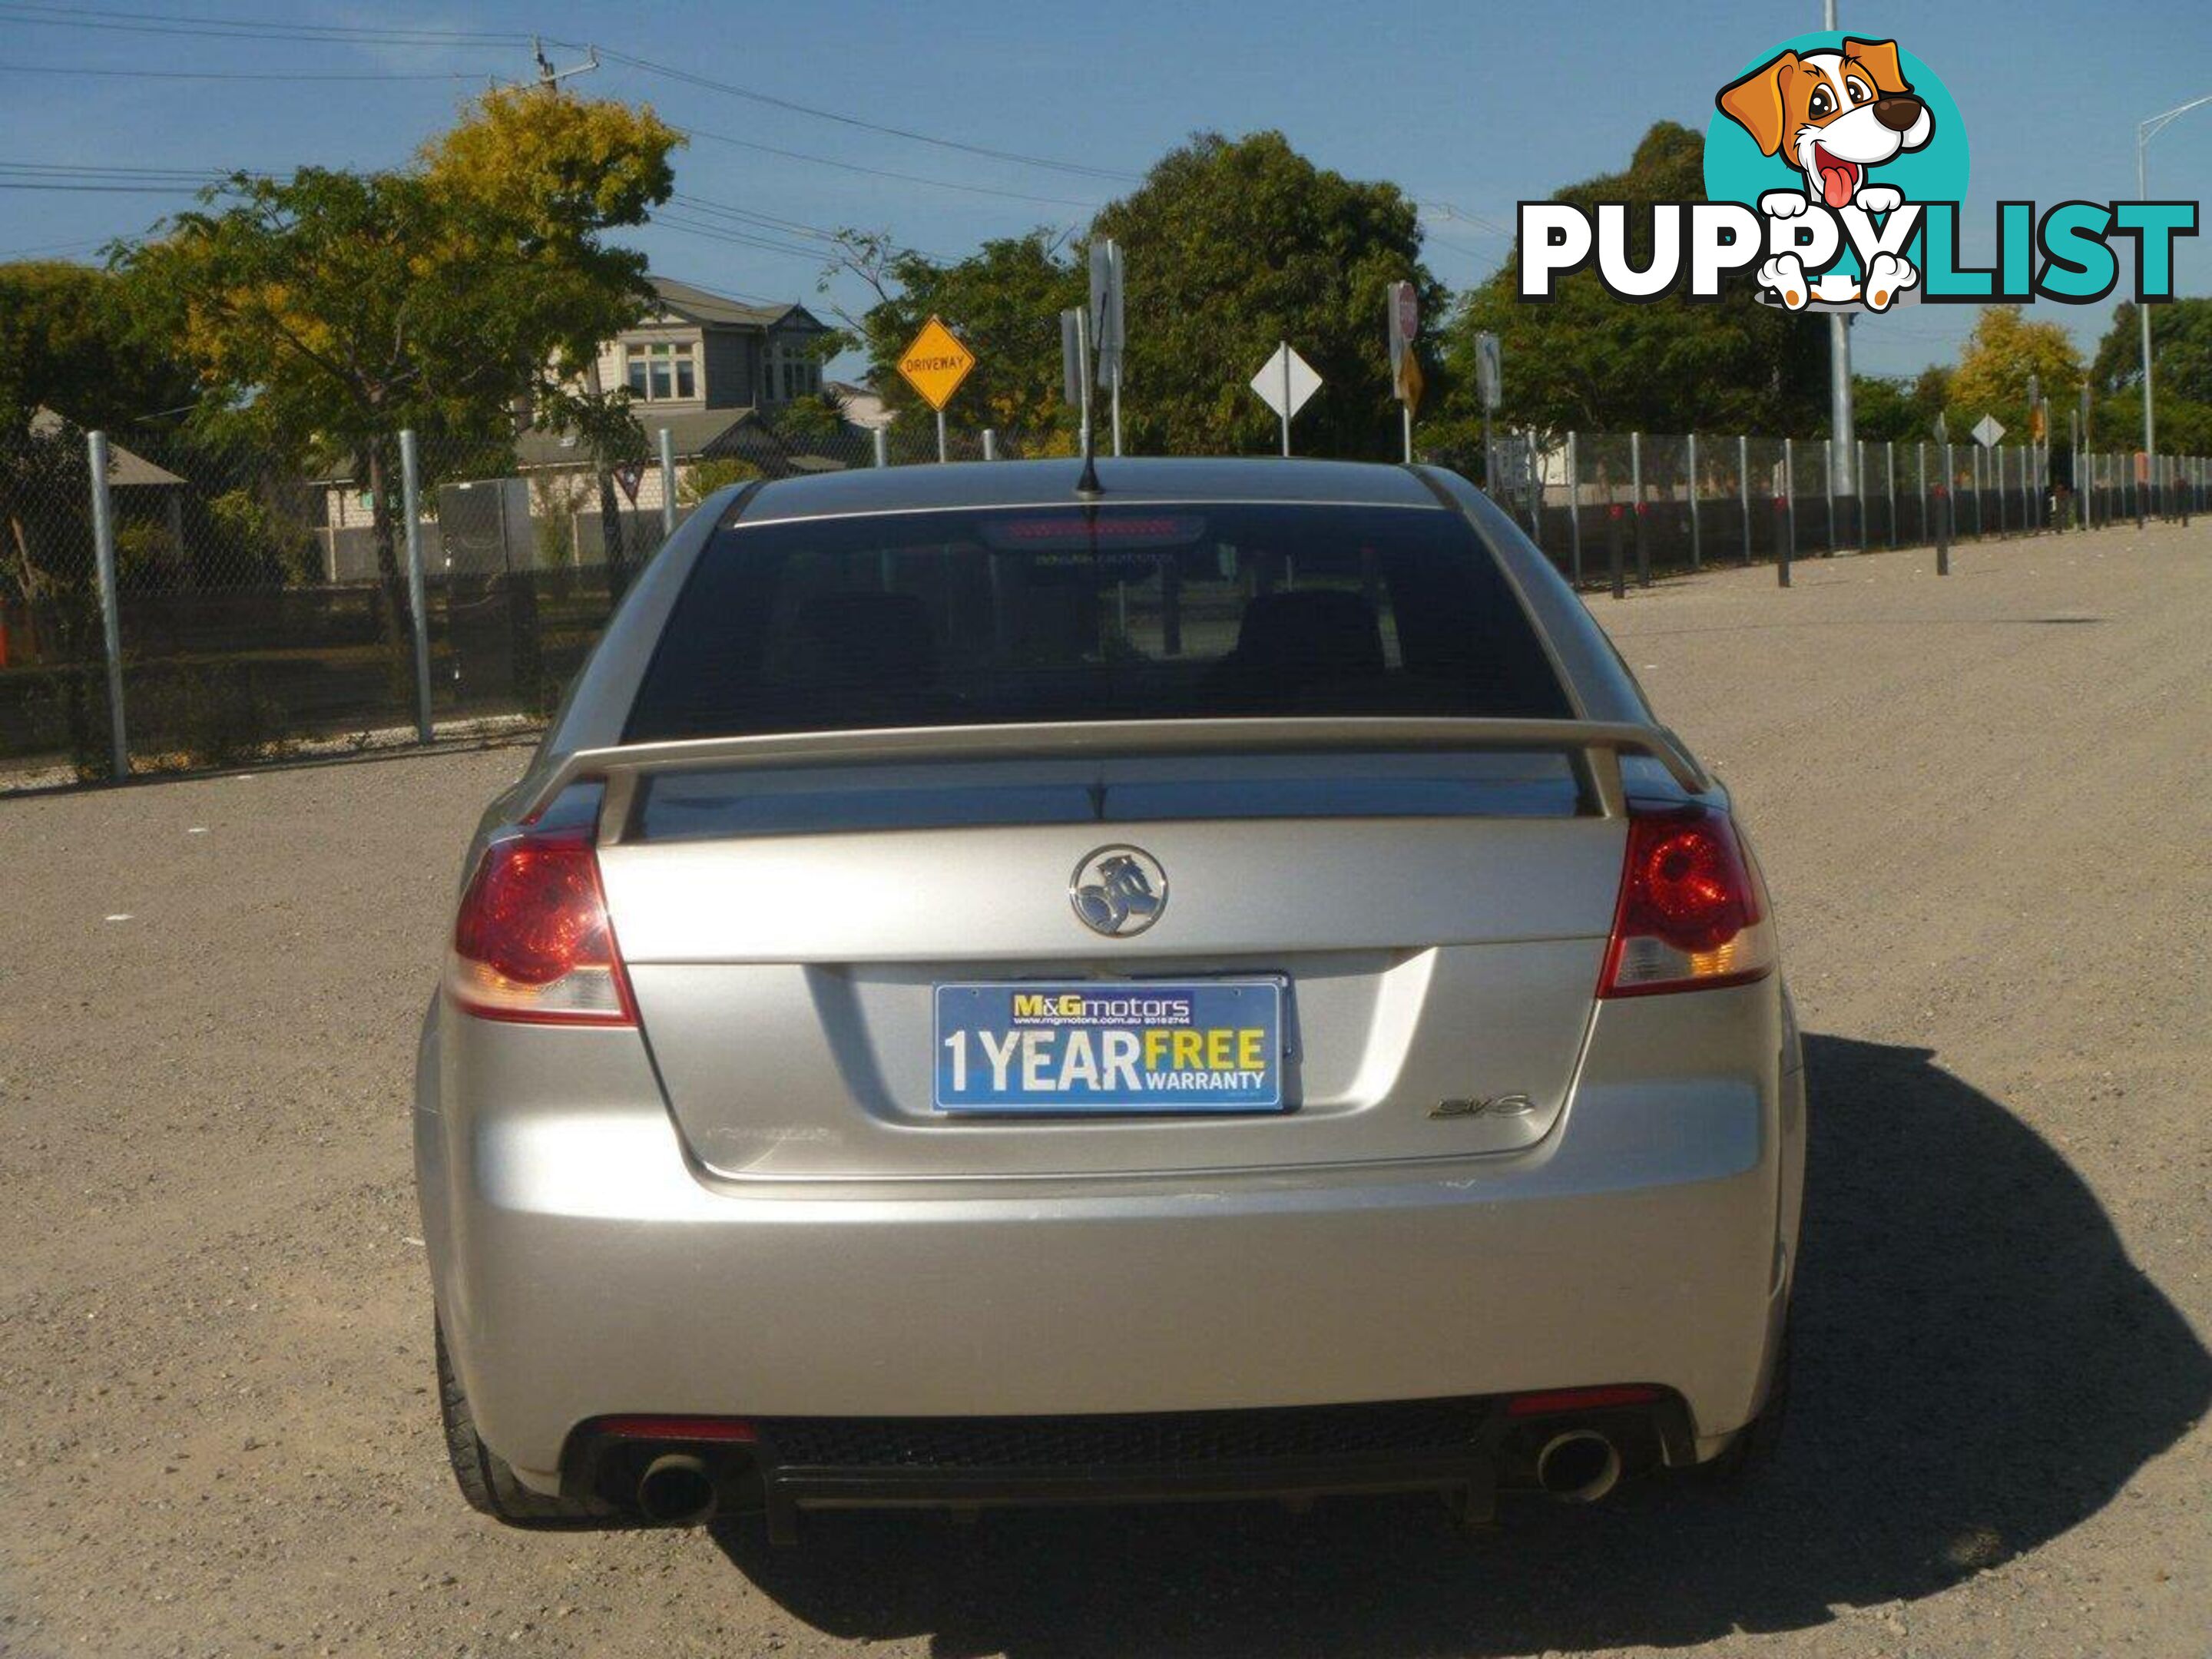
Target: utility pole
[2145, 131]
[1842, 435]
[548, 76]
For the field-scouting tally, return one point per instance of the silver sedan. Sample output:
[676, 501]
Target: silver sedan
[995, 992]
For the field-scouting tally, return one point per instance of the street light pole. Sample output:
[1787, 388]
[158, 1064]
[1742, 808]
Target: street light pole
[2145, 131]
[1842, 445]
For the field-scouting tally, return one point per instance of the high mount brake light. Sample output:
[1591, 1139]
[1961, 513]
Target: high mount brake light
[1693, 913]
[532, 942]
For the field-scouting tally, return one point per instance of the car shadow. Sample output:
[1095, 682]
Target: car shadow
[1980, 1367]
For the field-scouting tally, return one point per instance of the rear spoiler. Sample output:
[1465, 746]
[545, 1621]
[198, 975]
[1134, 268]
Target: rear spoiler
[1593, 748]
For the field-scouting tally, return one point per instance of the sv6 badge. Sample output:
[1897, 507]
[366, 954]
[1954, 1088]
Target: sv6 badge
[1484, 1106]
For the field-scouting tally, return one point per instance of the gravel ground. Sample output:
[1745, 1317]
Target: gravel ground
[1986, 806]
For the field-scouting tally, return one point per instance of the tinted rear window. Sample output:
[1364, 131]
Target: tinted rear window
[948, 618]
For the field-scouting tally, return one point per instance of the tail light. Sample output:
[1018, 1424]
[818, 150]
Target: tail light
[532, 942]
[1693, 912]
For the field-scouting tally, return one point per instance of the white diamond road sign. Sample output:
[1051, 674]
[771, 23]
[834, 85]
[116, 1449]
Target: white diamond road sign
[1286, 372]
[1987, 430]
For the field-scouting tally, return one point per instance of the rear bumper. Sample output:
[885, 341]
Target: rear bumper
[1468, 1448]
[584, 1268]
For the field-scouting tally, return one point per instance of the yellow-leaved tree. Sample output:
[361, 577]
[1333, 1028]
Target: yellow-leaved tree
[1994, 366]
[327, 310]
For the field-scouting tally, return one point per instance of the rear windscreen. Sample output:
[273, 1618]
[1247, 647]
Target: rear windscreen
[954, 618]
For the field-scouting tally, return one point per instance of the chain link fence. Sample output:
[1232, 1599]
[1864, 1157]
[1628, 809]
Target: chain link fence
[1616, 510]
[259, 612]
[209, 607]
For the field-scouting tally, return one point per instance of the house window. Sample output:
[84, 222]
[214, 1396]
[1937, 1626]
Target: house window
[660, 372]
[793, 373]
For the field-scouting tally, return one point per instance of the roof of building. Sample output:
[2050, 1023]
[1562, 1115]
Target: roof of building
[125, 468]
[1133, 480]
[702, 306]
[702, 434]
[695, 432]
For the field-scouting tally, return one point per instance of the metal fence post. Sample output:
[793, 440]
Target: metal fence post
[410, 503]
[668, 483]
[990, 443]
[111, 620]
[882, 446]
[1889, 449]
[1636, 490]
[1944, 512]
[1858, 472]
[1828, 475]
[1743, 486]
[1574, 512]
[1920, 458]
[1697, 545]
[1535, 487]
[1612, 555]
[1789, 511]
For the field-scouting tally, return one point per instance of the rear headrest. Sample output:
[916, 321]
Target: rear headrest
[866, 639]
[1318, 633]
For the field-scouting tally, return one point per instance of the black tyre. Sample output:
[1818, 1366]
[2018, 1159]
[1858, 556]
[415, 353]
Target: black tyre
[483, 1476]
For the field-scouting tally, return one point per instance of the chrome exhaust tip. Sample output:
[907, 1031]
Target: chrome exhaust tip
[1579, 1466]
[677, 1490]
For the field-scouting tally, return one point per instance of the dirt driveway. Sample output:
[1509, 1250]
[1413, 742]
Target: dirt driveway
[1986, 805]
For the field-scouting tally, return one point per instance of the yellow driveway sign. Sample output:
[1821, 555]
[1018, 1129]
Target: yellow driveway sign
[1410, 383]
[936, 363]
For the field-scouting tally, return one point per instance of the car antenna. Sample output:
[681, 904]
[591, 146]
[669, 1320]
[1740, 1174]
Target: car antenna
[1087, 486]
[1075, 345]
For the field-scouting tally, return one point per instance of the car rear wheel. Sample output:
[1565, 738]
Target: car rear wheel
[484, 1477]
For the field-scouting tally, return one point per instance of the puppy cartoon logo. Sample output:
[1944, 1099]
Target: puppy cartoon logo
[1836, 173]
[1835, 116]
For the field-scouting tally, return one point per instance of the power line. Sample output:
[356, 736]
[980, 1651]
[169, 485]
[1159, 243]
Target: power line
[136, 190]
[730, 292]
[768, 220]
[724, 234]
[243, 28]
[1480, 221]
[246, 75]
[686, 77]
[53, 247]
[88, 170]
[266, 29]
[884, 173]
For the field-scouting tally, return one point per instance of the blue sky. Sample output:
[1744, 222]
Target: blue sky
[1468, 108]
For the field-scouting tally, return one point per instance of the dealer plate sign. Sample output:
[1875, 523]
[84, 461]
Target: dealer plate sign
[1087, 1047]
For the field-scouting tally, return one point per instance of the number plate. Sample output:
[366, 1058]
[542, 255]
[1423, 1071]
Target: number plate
[1209, 1046]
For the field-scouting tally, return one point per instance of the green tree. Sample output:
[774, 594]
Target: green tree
[703, 478]
[67, 345]
[1231, 247]
[327, 310]
[1003, 301]
[1994, 366]
[2181, 367]
[1588, 361]
[560, 171]
[1900, 411]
